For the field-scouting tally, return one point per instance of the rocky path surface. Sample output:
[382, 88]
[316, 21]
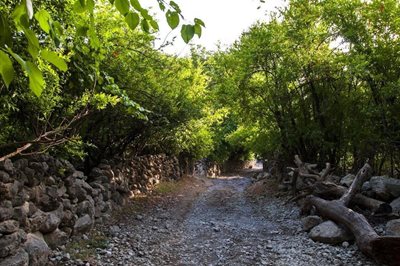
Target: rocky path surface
[208, 222]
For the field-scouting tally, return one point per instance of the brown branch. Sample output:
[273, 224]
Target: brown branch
[361, 177]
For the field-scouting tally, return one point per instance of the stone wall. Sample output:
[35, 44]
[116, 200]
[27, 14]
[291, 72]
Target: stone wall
[206, 168]
[44, 201]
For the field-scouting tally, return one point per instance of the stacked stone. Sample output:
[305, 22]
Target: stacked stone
[135, 176]
[44, 201]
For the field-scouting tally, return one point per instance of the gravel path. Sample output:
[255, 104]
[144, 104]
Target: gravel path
[209, 222]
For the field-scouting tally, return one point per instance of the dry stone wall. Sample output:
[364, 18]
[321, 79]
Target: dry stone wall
[44, 201]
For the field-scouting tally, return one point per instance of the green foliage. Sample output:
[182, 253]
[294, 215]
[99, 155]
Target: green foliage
[22, 18]
[320, 80]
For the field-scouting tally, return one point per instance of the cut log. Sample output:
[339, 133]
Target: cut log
[328, 190]
[382, 249]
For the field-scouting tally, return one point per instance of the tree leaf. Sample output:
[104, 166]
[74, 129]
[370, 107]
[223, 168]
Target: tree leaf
[172, 19]
[5, 33]
[122, 6]
[82, 31]
[79, 6]
[33, 42]
[17, 58]
[132, 19]
[197, 30]
[199, 22]
[44, 18]
[55, 59]
[6, 68]
[161, 5]
[36, 80]
[29, 8]
[136, 5]
[175, 6]
[154, 24]
[187, 32]
[20, 17]
[145, 14]
[145, 26]
[90, 5]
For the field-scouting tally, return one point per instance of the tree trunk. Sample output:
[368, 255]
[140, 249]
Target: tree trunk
[382, 249]
[330, 190]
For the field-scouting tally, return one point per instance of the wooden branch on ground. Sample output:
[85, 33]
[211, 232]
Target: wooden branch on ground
[330, 190]
[359, 180]
[383, 249]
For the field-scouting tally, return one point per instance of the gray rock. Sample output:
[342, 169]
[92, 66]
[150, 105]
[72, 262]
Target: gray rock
[68, 219]
[6, 211]
[51, 223]
[395, 204]
[10, 243]
[115, 229]
[83, 224]
[385, 188]
[96, 172]
[4, 177]
[366, 186]
[56, 238]
[330, 233]
[20, 258]
[347, 180]
[85, 207]
[21, 163]
[7, 166]
[310, 222]
[37, 249]
[393, 227]
[21, 214]
[345, 244]
[9, 227]
[37, 220]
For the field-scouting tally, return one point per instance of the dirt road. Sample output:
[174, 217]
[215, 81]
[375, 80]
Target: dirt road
[208, 222]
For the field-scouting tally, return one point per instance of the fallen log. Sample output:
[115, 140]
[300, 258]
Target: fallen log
[328, 190]
[382, 249]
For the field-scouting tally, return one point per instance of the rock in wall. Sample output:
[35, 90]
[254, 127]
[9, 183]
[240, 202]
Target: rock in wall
[205, 167]
[44, 201]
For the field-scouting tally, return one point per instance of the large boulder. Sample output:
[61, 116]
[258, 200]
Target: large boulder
[37, 250]
[330, 233]
[20, 258]
[395, 204]
[310, 222]
[385, 188]
[393, 228]
[347, 180]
